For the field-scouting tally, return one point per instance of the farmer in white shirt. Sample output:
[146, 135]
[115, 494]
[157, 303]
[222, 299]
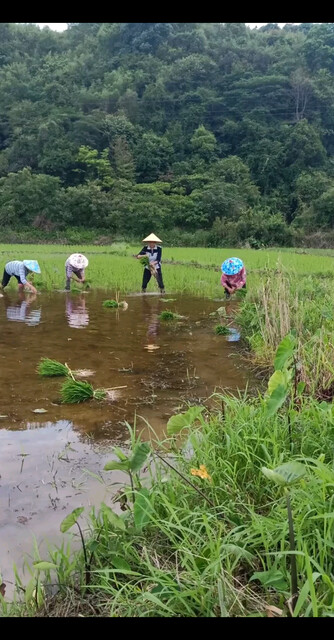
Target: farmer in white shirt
[20, 270]
[75, 265]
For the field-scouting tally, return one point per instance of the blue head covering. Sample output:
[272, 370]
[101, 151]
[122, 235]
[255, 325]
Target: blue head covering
[232, 266]
[32, 265]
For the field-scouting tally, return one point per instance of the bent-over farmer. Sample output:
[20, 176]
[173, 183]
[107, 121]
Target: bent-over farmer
[233, 276]
[20, 269]
[153, 253]
[75, 265]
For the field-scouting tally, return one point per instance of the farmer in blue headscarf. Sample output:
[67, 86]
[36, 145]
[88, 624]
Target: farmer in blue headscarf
[233, 276]
[20, 270]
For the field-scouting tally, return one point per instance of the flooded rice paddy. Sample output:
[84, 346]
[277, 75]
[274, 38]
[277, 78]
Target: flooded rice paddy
[155, 367]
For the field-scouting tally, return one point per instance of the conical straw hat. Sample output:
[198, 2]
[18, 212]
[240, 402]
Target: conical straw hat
[152, 238]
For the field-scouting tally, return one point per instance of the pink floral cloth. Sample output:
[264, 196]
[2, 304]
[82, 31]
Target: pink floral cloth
[237, 281]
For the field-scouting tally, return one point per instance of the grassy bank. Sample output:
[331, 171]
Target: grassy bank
[216, 547]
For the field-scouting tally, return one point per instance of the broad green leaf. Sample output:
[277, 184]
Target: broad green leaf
[113, 464]
[238, 552]
[44, 566]
[276, 400]
[176, 423]
[119, 453]
[139, 457]
[29, 590]
[300, 388]
[278, 378]
[120, 563]
[271, 578]
[71, 519]
[285, 351]
[142, 508]
[286, 474]
[113, 518]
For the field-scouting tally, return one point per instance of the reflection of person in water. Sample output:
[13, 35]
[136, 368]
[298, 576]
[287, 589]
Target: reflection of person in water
[19, 312]
[151, 314]
[76, 312]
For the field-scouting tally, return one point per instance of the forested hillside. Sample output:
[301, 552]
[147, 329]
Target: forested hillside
[211, 134]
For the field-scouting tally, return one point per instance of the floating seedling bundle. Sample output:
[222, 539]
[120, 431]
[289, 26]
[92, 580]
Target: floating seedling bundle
[110, 304]
[168, 315]
[52, 368]
[221, 330]
[115, 304]
[75, 391]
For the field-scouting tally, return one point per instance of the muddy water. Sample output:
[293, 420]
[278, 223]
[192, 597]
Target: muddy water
[157, 365]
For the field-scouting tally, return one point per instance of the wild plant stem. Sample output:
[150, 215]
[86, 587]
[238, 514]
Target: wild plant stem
[87, 572]
[132, 486]
[294, 582]
[186, 480]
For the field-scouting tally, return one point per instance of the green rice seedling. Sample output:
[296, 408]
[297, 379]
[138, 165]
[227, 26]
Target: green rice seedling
[144, 261]
[52, 368]
[75, 391]
[221, 330]
[166, 316]
[110, 304]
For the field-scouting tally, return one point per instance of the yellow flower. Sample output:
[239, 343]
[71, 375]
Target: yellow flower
[202, 472]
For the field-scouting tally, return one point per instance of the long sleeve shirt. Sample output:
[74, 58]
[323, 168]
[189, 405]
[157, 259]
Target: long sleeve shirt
[70, 270]
[17, 268]
[237, 281]
[154, 255]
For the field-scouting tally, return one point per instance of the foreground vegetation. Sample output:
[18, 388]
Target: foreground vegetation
[236, 517]
[209, 537]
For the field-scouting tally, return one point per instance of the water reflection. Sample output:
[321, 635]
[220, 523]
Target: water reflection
[20, 311]
[76, 313]
[151, 314]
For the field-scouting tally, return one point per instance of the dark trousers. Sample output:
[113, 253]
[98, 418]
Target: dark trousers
[6, 277]
[147, 275]
[228, 295]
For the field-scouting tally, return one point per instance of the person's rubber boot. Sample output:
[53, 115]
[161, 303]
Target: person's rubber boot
[143, 290]
[162, 291]
[227, 295]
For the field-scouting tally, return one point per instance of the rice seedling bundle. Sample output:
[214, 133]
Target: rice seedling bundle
[75, 391]
[112, 304]
[221, 330]
[52, 368]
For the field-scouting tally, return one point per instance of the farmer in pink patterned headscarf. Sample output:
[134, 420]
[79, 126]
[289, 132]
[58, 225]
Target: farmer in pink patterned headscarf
[233, 276]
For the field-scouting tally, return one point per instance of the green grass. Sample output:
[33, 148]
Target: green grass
[114, 267]
[190, 554]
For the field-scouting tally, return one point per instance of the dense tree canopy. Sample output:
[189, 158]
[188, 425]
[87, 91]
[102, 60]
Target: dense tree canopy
[213, 130]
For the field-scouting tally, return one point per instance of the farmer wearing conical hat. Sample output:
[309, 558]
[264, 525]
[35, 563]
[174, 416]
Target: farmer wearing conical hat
[233, 275]
[20, 270]
[75, 265]
[153, 252]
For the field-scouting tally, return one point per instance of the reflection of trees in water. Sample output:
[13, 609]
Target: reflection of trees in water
[20, 312]
[76, 313]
